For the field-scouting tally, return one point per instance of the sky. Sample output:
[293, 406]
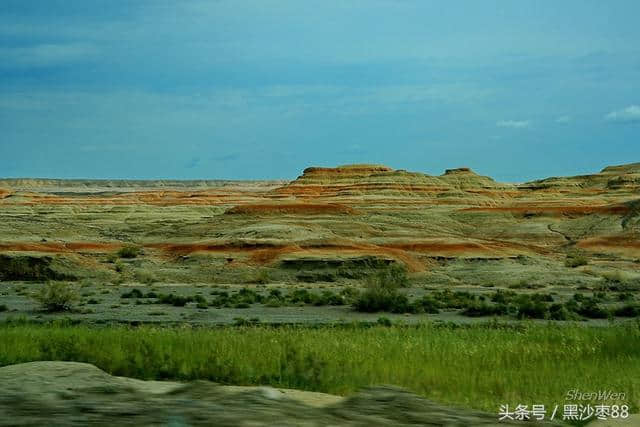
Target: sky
[261, 89]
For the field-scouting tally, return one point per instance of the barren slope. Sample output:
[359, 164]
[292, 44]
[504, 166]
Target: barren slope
[428, 223]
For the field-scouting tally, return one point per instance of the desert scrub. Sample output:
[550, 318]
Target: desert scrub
[261, 277]
[382, 292]
[145, 277]
[481, 366]
[57, 296]
[575, 260]
[129, 251]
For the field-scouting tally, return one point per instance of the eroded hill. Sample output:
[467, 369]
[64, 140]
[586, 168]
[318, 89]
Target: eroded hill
[455, 229]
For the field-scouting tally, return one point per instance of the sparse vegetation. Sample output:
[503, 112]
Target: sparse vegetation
[261, 277]
[381, 292]
[576, 260]
[57, 296]
[145, 277]
[31, 268]
[129, 251]
[628, 310]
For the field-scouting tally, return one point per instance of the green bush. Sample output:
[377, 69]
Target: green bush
[384, 321]
[129, 251]
[133, 293]
[457, 300]
[574, 261]
[261, 278]
[374, 301]
[241, 321]
[592, 310]
[328, 298]
[502, 297]
[395, 276]
[426, 304]
[531, 309]
[629, 310]
[479, 309]
[625, 296]
[381, 292]
[174, 300]
[57, 296]
[119, 267]
[145, 277]
[559, 312]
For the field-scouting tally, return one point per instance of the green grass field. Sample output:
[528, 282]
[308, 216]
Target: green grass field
[481, 366]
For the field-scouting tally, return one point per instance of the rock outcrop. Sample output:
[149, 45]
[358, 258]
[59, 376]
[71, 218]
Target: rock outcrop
[70, 394]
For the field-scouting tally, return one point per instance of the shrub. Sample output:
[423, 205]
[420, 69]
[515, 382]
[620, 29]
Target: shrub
[426, 304]
[592, 310]
[625, 296]
[275, 293]
[542, 297]
[272, 302]
[523, 284]
[617, 276]
[3, 307]
[328, 298]
[145, 277]
[133, 293]
[458, 300]
[629, 310]
[502, 297]
[119, 266]
[479, 309]
[240, 321]
[381, 293]
[300, 296]
[374, 301]
[528, 308]
[349, 294]
[384, 321]
[129, 251]
[574, 260]
[57, 296]
[261, 278]
[395, 276]
[175, 300]
[559, 312]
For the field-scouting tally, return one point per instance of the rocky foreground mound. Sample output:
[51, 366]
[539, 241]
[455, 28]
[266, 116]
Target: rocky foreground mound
[68, 393]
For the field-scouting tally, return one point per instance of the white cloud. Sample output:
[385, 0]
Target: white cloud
[563, 119]
[515, 124]
[626, 115]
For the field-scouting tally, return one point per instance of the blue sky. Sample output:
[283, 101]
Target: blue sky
[257, 89]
